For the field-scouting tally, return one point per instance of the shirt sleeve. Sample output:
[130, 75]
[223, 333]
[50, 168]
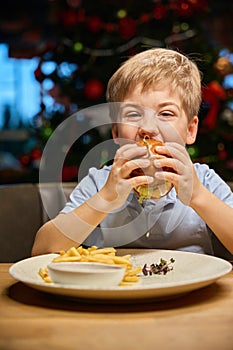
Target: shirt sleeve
[214, 183]
[86, 188]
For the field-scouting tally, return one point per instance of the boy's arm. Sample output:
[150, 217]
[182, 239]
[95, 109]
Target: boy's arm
[71, 229]
[68, 230]
[50, 240]
[216, 214]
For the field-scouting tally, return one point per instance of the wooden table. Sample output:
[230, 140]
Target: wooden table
[31, 320]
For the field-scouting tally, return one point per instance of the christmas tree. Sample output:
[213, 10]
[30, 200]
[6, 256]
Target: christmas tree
[88, 40]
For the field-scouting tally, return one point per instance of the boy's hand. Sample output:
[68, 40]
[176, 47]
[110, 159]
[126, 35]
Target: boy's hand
[119, 183]
[183, 175]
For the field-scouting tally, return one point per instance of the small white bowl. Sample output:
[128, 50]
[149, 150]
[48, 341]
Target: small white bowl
[86, 274]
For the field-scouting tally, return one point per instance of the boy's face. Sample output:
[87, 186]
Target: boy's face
[157, 113]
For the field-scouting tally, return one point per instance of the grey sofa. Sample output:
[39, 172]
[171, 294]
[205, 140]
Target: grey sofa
[22, 213]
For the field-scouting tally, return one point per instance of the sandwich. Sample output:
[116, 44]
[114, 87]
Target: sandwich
[158, 188]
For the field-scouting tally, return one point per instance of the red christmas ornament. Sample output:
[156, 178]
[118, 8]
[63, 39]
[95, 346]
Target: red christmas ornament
[80, 16]
[69, 18]
[212, 94]
[36, 154]
[222, 155]
[184, 9]
[127, 28]
[25, 160]
[69, 172]
[94, 24]
[200, 5]
[110, 27]
[145, 18]
[160, 11]
[93, 89]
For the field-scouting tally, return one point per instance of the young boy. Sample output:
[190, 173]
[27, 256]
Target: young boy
[155, 94]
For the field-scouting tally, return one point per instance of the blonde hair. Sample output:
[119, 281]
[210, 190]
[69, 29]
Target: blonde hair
[158, 66]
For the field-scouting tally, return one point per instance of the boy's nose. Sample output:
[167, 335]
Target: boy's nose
[148, 125]
[148, 130]
[145, 132]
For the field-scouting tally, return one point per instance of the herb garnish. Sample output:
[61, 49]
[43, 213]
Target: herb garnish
[158, 269]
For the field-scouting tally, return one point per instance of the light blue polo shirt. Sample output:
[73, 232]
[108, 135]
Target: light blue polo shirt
[160, 224]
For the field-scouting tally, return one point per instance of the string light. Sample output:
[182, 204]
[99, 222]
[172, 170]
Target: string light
[78, 47]
[181, 31]
[133, 42]
[121, 13]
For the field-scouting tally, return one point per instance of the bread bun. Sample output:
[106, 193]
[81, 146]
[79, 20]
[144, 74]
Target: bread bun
[158, 188]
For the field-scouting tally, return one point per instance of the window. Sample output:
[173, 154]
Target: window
[19, 90]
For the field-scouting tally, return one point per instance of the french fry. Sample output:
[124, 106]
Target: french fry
[101, 260]
[62, 252]
[67, 258]
[73, 252]
[130, 278]
[83, 251]
[43, 272]
[134, 272]
[121, 261]
[99, 255]
[103, 251]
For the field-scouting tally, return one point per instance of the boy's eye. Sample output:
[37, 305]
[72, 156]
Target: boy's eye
[132, 115]
[166, 114]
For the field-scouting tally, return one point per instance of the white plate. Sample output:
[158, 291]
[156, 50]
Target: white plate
[191, 271]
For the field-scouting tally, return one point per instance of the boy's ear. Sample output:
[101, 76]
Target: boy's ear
[192, 131]
[115, 133]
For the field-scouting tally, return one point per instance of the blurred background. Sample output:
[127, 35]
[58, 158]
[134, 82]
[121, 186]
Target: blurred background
[56, 57]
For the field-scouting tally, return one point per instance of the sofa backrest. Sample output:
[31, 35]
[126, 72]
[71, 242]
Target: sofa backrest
[22, 212]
